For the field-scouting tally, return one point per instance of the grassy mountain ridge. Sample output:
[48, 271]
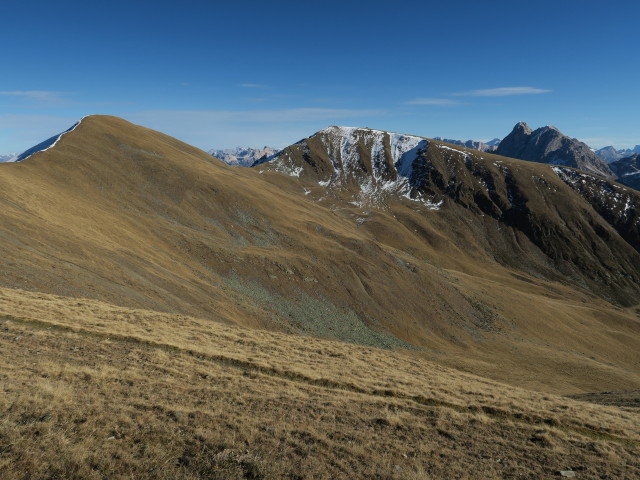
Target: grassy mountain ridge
[126, 215]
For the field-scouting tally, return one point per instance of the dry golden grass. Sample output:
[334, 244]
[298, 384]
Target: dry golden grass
[92, 390]
[128, 216]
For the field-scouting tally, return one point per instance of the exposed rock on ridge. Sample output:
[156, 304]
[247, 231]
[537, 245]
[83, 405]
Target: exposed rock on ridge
[368, 164]
[576, 230]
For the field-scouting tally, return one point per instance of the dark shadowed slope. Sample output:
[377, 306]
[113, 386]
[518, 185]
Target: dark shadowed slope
[628, 170]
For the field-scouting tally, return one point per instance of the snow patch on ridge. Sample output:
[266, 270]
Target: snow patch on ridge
[444, 147]
[345, 147]
[377, 163]
[573, 176]
[47, 144]
[619, 199]
[342, 146]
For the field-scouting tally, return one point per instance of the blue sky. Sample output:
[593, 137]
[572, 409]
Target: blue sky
[221, 74]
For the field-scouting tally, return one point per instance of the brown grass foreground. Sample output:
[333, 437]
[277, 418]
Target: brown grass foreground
[90, 390]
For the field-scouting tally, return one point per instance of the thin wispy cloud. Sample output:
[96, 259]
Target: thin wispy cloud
[35, 94]
[252, 85]
[502, 92]
[432, 101]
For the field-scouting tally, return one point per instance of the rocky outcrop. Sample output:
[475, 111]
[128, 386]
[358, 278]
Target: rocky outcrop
[549, 145]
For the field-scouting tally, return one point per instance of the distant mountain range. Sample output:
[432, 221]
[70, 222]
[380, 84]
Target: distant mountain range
[243, 156]
[543, 145]
[7, 157]
[489, 146]
[610, 154]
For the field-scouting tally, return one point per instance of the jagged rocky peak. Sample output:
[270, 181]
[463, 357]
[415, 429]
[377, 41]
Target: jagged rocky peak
[550, 145]
[513, 145]
[523, 128]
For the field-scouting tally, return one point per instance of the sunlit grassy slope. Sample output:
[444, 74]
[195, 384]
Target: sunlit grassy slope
[129, 216]
[92, 390]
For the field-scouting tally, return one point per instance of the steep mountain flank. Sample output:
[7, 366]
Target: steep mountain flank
[497, 198]
[617, 205]
[549, 145]
[370, 237]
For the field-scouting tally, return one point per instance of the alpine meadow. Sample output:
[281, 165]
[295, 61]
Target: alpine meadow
[319, 241]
